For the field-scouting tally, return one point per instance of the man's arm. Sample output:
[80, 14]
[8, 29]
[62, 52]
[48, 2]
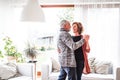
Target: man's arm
[70, 43]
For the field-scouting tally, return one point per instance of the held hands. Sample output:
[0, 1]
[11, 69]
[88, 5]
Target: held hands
[86, 37]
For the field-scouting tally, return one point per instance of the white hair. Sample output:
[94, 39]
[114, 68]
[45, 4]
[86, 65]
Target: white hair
[63, 23]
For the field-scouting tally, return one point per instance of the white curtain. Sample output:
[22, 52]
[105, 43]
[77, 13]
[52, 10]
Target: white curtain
[102, 23]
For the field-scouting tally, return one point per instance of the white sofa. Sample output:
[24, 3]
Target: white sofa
[24, 71]
[27, 71]
[118, 73]
[49, 74]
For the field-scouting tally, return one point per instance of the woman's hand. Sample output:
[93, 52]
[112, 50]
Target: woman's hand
[86, 37]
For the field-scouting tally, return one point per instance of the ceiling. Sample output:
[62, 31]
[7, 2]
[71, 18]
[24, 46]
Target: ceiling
[56, 2]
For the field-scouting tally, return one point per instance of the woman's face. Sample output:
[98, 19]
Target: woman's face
[75, 28]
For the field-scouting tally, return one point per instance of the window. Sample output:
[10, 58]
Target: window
[44, 31]
[102, 23]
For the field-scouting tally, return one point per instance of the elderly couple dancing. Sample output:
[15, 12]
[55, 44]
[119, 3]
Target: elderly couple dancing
[72, 51]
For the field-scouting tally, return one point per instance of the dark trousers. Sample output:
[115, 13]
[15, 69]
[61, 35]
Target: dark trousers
[67, 71]
[79, 69]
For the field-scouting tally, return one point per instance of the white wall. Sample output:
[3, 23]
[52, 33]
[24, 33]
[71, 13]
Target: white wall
[119, 42]
[10, 24]
[57, 1]
[72, 1]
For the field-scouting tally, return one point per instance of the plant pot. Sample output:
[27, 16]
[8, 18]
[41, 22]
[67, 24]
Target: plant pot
[32, 61]
[11, 59]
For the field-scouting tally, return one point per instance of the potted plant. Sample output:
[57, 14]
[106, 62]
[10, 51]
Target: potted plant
[31, 53]
[1, 55]
[10, 49]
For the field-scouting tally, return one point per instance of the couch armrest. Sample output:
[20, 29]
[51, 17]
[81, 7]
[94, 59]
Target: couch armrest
[26, 69]
[118, 73]
[45, 71]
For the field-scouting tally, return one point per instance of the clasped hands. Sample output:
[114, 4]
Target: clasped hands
[86, 37]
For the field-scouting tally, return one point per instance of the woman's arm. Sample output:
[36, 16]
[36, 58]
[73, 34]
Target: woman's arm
[87, 46]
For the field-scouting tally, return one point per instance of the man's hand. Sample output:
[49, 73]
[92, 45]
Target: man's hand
[58, 49]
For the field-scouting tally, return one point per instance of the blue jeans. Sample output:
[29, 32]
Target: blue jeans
[67, 71]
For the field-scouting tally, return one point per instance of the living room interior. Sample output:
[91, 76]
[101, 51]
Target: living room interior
[100, 18]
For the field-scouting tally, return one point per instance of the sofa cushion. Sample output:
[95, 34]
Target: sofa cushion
[7, 70]
[54, 76]
[21, 78]
[94, 76]
[26, 69]
[55, 65]
[102, 67]
[92, 64]
[99, 66]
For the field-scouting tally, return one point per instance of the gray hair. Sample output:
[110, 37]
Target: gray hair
[63, 23]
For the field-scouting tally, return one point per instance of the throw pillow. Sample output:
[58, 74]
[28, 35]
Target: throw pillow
[55, 65]
[92, 64]
[102, 67]
[7, 70]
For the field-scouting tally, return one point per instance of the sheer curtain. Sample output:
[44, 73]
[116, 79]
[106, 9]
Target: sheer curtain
[101, 20]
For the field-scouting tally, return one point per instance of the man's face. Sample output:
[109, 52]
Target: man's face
[68, 26]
